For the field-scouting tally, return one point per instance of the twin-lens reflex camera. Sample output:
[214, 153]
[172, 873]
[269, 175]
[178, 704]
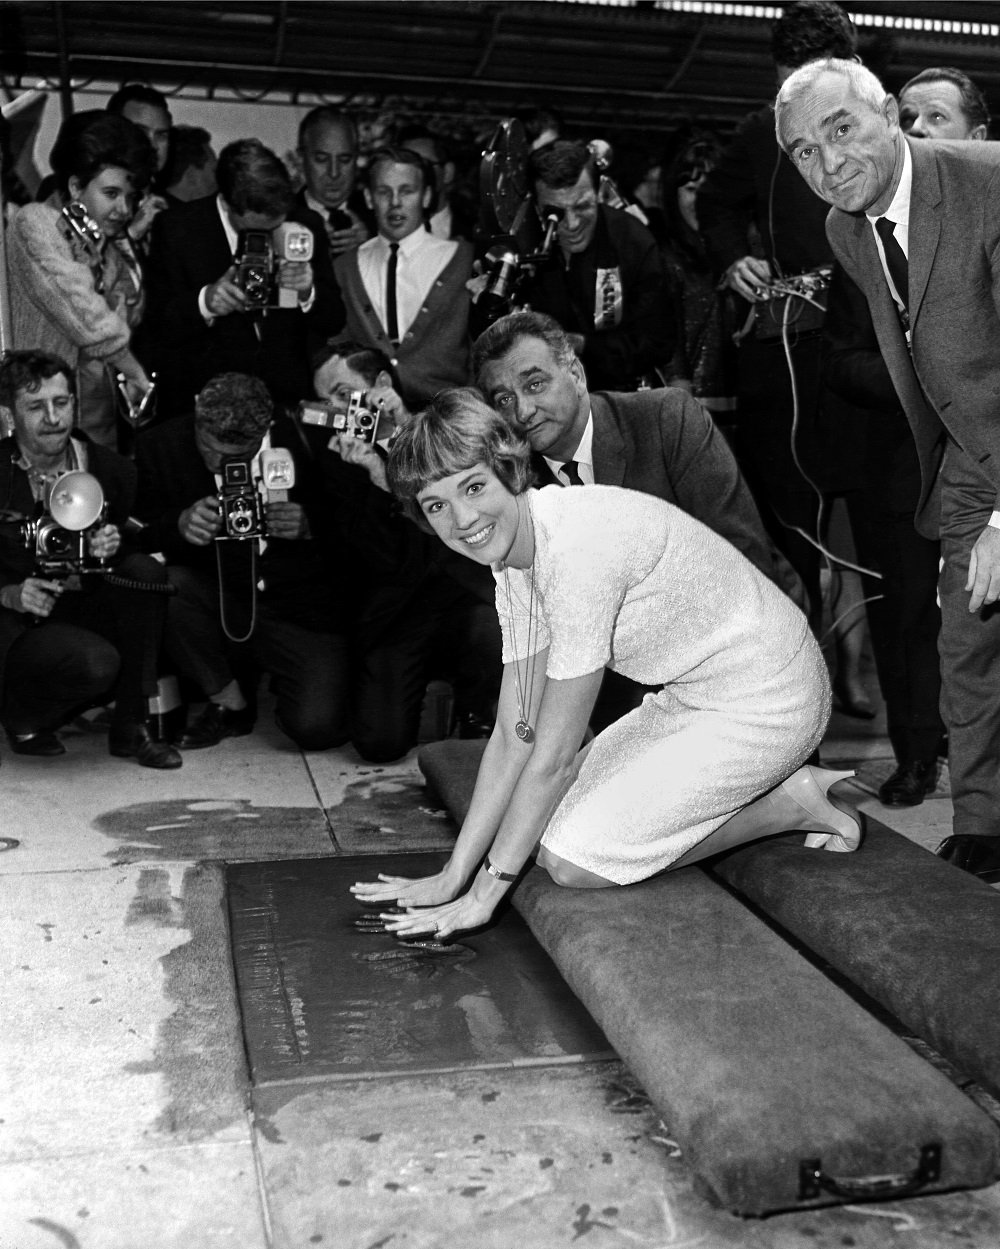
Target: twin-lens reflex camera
[259, 254]
[243, 498]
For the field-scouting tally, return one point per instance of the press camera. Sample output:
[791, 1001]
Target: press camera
[359, 420]
[58, 536]
[259, 254]
[243, 498]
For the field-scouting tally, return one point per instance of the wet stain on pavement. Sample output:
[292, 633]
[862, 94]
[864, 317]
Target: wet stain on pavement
[224, 828]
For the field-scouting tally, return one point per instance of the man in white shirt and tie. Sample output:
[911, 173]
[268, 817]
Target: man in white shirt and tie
[404, 290]
[932, 282]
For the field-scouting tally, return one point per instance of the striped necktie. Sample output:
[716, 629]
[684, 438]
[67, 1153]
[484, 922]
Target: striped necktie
[571, 471]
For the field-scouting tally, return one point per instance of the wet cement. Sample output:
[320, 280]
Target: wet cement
[322, 997]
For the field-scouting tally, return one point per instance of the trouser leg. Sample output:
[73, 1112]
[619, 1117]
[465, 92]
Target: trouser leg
[970, 653]
[132, 619]
[904, 620]
[194, 639]
[310, 678]
[52, 670]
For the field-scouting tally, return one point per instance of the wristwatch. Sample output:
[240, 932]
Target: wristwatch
[495, 871]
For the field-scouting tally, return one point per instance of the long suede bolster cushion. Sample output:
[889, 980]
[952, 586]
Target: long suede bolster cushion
[756, 1060]
[919, 936]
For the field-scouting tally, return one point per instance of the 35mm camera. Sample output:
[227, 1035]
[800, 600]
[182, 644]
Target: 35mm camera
[360, 419]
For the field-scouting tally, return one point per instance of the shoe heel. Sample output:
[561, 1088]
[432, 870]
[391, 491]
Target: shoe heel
[827, 826]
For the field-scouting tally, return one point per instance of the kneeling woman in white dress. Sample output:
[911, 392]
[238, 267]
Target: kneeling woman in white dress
[598, 577]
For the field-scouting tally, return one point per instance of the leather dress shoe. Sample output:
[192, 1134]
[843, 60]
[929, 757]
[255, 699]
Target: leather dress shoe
[133, 740]
[909, 785]
[978, 855]
[213, 724]
[38, 745]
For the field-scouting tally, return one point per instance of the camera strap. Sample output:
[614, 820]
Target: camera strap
[223, 617]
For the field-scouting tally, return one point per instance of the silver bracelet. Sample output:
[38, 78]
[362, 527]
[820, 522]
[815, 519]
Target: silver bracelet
[495, 871]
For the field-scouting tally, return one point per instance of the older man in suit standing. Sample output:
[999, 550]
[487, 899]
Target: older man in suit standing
[917, 226]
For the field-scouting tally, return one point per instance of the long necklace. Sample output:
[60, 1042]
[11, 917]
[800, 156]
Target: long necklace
[526, 688]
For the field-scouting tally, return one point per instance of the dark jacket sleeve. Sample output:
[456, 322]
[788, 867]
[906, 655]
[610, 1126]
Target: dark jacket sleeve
[645, 339]
[852, 362]
[695, 469]
[171, 477]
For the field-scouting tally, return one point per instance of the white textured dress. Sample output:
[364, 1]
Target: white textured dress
[626, 581]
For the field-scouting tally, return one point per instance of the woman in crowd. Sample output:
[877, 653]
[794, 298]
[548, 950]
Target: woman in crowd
[603, 577]
[76, 289]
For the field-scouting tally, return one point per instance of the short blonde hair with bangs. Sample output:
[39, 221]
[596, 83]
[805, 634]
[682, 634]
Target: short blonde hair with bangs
[457, 431]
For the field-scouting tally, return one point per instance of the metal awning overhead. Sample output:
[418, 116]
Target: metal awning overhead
[641, 64]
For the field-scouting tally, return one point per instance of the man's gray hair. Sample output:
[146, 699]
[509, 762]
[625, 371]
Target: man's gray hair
[863, 84]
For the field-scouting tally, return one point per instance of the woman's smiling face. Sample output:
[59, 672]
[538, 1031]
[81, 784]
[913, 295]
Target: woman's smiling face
[473, 512]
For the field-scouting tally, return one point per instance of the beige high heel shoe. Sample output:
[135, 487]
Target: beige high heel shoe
[800, 802]
[829, 827]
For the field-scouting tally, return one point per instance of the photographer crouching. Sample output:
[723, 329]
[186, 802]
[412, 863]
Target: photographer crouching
[234, 504]
[423, 612]
[71, 635]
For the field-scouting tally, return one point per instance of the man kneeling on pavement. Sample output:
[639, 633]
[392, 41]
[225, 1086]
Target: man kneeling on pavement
[71, 637]
[231, 498]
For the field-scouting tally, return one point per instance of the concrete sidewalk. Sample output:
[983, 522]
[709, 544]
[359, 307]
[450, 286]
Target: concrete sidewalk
[127, 1120]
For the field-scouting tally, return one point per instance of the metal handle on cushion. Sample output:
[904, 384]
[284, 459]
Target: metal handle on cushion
[813, 1181]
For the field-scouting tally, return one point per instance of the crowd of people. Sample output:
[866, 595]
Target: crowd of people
[278, 388]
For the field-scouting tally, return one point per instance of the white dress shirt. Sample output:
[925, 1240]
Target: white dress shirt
[898, 213]
[584, 457]
[420, 259]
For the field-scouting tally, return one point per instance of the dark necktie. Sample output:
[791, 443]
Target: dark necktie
[391, 316]
[572, 472]
[338, 219]
[895, 259]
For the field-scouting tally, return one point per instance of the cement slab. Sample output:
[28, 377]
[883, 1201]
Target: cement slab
[119, 1018]
[240, 799]
[200, 1197]
[535, 1160]
[376, 808]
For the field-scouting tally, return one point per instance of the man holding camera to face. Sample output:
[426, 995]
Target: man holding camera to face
[232, 500]
[237, 284]
[81, 618]
[423, 611]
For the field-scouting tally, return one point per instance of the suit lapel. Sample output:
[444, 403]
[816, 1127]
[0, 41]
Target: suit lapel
[925, 221]
[608, 448]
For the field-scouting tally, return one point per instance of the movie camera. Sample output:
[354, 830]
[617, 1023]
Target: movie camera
[243, 498]
[521, 238]
[259, 255]
[360, 419]
[58, 536]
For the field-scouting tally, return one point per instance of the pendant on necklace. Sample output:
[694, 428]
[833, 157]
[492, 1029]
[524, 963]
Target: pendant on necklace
[524, 731]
